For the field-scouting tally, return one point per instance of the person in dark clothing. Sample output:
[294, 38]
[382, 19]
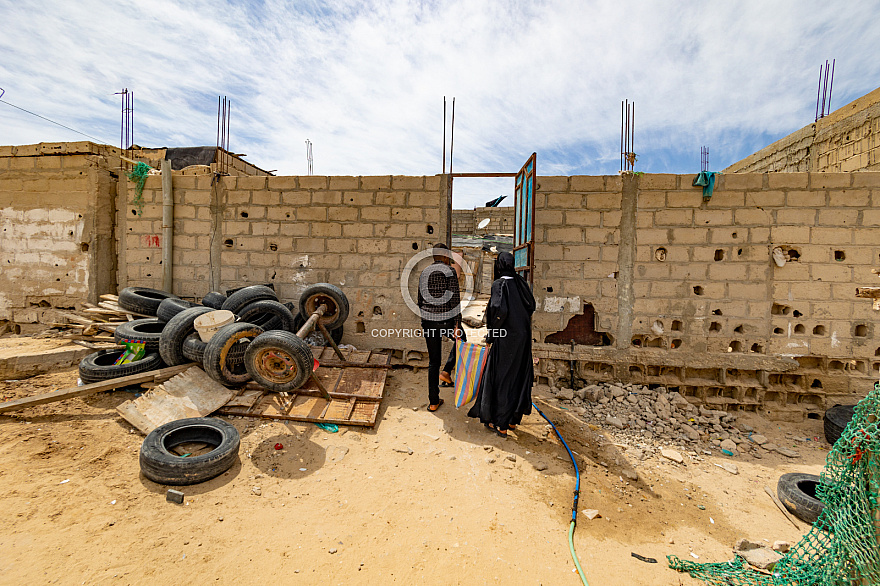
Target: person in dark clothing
[506, 390]
[440, 307]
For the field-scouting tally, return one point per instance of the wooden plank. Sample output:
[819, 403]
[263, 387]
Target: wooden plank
[191, 393]
[93, 388]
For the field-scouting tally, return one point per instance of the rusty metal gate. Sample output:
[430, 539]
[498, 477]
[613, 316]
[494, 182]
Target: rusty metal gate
[524, 220]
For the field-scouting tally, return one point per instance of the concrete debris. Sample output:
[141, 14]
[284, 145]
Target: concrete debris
[781, 546]
[174, 496]
[257, 490]
[591, 514]
[787, 452]
[540, 466]
[672, 455]
[757, 554]
[759, 439]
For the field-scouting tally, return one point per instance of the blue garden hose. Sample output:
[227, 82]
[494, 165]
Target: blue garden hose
[574, 506]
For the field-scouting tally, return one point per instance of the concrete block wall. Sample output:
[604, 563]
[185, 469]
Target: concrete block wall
[466, 221]
[355, 232]
[698, 279]
[56, 224]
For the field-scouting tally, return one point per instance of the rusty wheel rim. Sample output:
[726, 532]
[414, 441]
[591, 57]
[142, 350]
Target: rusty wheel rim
[315, 301]
[276, 365]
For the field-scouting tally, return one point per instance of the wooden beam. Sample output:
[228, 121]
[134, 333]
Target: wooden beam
[93, 388]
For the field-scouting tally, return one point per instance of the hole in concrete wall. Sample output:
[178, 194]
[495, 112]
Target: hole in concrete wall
[877, 352]
[819, 331]
[57, 279]
[793, 255]
[715, 326]
[134, 212]
[735, 346]
[733, 235]
[637, 342]
[813, 416]
[228, 243]
[84, 246]
[360, 328]
[415, 245]
[273, 247]
[636, 370]
[861, 330]
[719, 254]
[676, 344]
[429, 229]
[876, 367]
[360, 314]
[779, 309]
[739, 252]
[839, 255]
[657, 327]
[738, 329]
[857, 365]
[800, 329]
[377, 310]
[676, 325]
[836, 365]
[796, 313]
[717, 312]
[778, 331]
[816, 384]
[698, 290]
[757, 348]
[582, 329]
[654, 343]
[548, 289]
[660, 254]
[70, 233]
[287, 215]
[244, 214]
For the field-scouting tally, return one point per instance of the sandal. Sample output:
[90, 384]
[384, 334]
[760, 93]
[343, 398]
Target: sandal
[494, 429]
[445, 379]
[433, 408]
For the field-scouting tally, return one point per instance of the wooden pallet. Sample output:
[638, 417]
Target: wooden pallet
[355, 393]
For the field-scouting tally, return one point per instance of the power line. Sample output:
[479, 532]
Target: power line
[102, 141]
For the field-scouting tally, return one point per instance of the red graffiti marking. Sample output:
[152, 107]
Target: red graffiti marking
[152, 241]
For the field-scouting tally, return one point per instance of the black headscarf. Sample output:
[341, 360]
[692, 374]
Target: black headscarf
[504, 267]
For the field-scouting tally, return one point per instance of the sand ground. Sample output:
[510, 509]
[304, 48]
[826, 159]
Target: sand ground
[457, 510]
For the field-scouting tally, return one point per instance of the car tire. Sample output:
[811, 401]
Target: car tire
[332, 296]
[147, 330]
[279, 361]
[226, 343]
[143, 299]
[171, 307]
[798, 493]
[242, 297]
[162, 466]
[99, 366]
[193, 348]
[835, 421]
[268, 314]
[175, 332]
[214, 299]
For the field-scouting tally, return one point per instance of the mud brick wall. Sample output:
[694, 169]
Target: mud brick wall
[56, 224]
[354, 232]
[846, 140]
[690, 296]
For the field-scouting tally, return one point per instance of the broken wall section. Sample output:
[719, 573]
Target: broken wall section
[56, 241]
[689, 291]
[354, 232]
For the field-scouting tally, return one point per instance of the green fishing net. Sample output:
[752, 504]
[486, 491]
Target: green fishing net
[139, 175]
[843, 547]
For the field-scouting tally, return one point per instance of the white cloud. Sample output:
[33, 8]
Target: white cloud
[364, 81]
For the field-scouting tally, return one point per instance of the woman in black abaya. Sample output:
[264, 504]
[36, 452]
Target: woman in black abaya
[506, 391]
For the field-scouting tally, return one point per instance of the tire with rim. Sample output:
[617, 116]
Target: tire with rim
[214, 299]
[193, 348]
[175, 332]
[330, 295]
[147, 330]
[317, 337]
[835, 421]
[100, 366]
[171, 307]
[268, 314]
[798, 493]
[242, 297]
[161, 465]
[279, 361]
[143, 299]
[227, 342]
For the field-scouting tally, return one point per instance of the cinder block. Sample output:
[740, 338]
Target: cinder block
[407, 183]
[344, 182]
[327, 230]
[432, 215]
[342, 214]
[839, 217]
[806, 198]
[753, 217]
[652, 271]
[406, 214]
[251, 182]
[788, 180]
[811, 291]
[552, 184]
[728, 271]
[849, 197]
[649, 200]
[566, 200]
[265, 197]
[667, 289]
[866, 179]
[766, 198]
[658, 181]
[572, 218]
[740, 181]
[645, 220]
[613, 183]
[344, 246]
[578, 253]
[327, 197]
[296, 198]
[197, 197]
[611, 219]
[587, 183]
[652, 236]
[689, 235]
[268, 228]
[376, 214]
[282, 182]
[684, 199]
[308, 244]
[871, 217]
[357, 230]
[432, 183]
[674, 217]
[551, 217]
[281, 213]
[798, 217]
[830, 236]
[833, 273]
[311, 214]
[399, 230]
[603, 201]
[565, 235]
[727, 199]
[790, 234]
[313, 182]
[373, 246]
[830, 180]
[391, 198]
[358, 198]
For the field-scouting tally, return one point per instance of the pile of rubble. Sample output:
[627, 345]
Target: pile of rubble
[634, 413]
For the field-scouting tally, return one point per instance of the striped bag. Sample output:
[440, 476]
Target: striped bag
[469, 371]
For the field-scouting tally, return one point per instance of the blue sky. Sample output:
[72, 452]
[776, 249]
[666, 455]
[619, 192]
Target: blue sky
[364, 81]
